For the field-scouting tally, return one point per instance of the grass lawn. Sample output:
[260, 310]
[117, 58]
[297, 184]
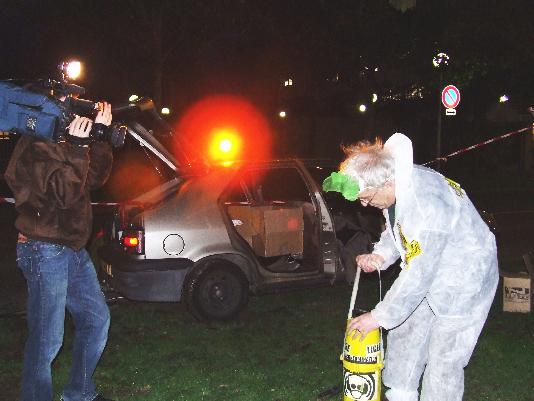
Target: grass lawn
[285, 347]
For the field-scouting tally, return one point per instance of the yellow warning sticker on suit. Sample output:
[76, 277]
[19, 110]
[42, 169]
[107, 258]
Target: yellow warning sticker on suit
[412, 249]
[454, 185]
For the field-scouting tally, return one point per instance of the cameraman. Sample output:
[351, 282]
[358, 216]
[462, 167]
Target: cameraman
[51, 183]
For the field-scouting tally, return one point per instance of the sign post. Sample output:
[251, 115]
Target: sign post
[450, 98]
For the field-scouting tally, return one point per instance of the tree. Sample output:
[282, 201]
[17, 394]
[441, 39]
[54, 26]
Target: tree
[402, 5]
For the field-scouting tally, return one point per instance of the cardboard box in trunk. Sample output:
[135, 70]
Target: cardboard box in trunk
[517, 288]
[241, 216]
[280, 243]
[280, 231]
[269, 230]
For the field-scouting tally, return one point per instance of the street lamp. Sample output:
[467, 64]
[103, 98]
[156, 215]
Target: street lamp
[440, 60]
[165, 110]
[133, 98]
[504, 98]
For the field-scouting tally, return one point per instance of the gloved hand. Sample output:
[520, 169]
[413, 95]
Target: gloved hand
[80, 127]
[104, 115]
[369, 262]
[364, 324]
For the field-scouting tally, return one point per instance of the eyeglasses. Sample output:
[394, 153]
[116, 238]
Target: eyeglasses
[365, 200]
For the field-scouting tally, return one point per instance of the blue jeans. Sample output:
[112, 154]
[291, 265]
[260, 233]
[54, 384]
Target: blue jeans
[57, 278]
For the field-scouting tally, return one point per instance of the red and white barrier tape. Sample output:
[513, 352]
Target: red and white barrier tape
[478, 145]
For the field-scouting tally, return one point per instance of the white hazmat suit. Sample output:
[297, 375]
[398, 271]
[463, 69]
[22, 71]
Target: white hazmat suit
[437, 306]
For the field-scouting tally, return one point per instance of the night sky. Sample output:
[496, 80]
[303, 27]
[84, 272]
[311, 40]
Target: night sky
[336, 52]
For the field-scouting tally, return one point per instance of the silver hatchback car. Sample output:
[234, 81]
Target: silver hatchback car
[189, 237]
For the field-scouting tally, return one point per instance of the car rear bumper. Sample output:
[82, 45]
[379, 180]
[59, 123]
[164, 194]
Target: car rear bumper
[154, 280]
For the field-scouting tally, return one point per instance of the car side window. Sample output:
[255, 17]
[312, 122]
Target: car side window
[276, 185]
[320, 172]
[235, 193]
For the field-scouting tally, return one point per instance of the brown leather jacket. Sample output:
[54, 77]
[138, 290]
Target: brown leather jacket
[51, 184]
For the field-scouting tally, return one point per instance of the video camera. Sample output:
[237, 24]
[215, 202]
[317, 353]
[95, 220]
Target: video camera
[45, 108]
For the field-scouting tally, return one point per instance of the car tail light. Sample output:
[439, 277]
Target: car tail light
[133, 241]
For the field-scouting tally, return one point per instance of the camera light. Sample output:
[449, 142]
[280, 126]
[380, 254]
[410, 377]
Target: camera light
[72, 69]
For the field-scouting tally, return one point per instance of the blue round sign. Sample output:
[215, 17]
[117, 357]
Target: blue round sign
[450, 96]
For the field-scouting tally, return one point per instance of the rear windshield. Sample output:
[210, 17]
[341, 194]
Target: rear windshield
[135, 172]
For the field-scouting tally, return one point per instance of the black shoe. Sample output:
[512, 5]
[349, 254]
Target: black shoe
[100, 397]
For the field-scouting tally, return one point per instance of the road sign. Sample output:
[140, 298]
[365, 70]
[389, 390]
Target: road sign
[450, 112]
[450, 97]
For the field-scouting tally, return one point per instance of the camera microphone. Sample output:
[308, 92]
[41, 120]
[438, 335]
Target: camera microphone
[123, 108]
[142, 104]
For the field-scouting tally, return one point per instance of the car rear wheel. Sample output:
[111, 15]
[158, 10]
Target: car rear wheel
[217, 290]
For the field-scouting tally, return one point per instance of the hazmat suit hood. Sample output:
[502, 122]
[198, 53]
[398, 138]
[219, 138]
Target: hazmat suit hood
[400, 146]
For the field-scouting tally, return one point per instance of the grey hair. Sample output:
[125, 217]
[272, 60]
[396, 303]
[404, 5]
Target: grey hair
[370, 162]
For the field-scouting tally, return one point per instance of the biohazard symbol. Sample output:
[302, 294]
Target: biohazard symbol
[454, 185]
[412, 249]
[360, 386]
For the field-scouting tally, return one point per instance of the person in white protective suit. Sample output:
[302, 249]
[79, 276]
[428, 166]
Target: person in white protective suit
[436, 308]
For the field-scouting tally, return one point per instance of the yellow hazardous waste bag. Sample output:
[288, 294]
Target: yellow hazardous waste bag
[362, 363]
[362, 360]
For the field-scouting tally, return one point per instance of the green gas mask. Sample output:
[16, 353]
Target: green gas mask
[342, 183]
